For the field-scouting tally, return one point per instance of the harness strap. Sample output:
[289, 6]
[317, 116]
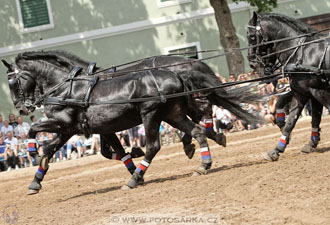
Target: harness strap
[90, 68]
[162, 97]
[300, 54]
[72, 74]
[327, 54]
[300, 42]
[91, 85]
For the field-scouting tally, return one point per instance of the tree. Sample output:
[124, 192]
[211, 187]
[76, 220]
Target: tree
[227, 31]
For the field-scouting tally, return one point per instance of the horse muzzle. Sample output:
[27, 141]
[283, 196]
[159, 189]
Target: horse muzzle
[23, 110]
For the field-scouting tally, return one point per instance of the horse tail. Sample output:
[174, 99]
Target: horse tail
[230, 100]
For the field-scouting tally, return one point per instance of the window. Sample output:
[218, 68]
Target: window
[34, 15]
[191, 49]
[166, 3]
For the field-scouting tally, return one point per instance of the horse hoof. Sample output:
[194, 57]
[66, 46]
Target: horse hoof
[189, 150]
[125, 188]
[200, 171]
[272, 156]
[306, 149]
[140, 181]
[196, 174]
[32, 192]
[221, 140]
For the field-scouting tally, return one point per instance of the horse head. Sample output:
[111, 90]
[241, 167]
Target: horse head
[257, 36]
[22, 87]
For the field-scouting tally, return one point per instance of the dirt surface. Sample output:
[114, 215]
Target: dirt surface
[241, 187]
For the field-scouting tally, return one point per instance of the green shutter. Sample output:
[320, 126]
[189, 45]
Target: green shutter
[192, 52]
[34, 13]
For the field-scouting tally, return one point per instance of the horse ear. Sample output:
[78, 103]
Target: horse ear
[254, 18]
[6, 64]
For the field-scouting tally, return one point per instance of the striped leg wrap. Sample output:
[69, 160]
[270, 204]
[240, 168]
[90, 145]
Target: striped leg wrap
[32, 145]
[141, 169]
[115, 156]
[205, 153]
[43, 167]
[282, 143]
[208, 124]
[280, 115]
[315, 134]
[41, 171]
[127, 159]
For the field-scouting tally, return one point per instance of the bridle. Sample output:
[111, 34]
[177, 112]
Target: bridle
[15, 84]
[263, 48]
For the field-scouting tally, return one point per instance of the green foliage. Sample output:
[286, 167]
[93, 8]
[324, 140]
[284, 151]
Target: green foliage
[262, 5]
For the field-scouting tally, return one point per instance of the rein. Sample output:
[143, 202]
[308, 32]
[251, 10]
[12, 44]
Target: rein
[227, 52]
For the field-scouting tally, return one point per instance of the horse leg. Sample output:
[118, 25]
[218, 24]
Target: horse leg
[118, 153]
[297, 106]
[280, 112]
[197, 132]
[152, 147]
[49, 151]
[219, 138]
[317, 109]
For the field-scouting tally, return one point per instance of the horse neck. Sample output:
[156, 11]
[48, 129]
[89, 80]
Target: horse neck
[283, 30]
[47, 76]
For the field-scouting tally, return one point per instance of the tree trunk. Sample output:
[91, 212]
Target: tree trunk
[228, 37]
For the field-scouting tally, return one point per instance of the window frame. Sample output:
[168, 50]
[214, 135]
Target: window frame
[36, 28]
[171, 3]
[187, 45]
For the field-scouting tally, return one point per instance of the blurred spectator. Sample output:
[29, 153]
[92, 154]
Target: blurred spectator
[142, 135]
[22, 127]
[75, 143]
[6, 128]
[165, 133]
[12, 120]
[33, 119]
[269, 114]
[1, 122]
[23, 150]
[3, 166]
[123, 138]
[232, 77]
[32, 150]
[134, 137]
[11, 155]
[223, 79]
[95, 147]
[224, 119]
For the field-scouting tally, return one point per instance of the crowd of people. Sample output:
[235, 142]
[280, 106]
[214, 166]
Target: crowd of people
[16, 151]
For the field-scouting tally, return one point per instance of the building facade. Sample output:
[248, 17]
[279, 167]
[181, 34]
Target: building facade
[111, 32]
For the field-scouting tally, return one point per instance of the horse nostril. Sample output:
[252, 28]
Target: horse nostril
[252, 65]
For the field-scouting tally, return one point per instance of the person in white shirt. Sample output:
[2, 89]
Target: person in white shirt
[22, 127]
[6, 128]
[224, 119]
[13, 142]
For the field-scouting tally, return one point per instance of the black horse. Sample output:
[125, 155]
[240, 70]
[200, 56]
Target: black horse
[304, 58]
[198, 106]
[82, 104]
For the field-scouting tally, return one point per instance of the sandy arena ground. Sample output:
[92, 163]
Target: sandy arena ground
[241, 187]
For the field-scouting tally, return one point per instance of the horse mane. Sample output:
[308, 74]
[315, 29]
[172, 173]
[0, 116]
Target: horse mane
[62, 57]
[293, 23]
